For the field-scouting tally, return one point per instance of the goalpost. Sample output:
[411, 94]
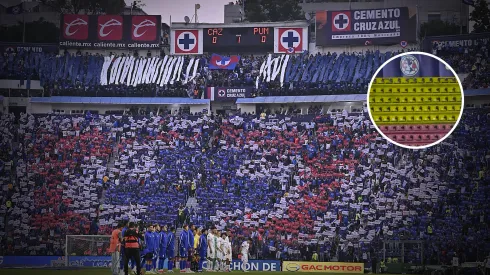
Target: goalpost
[86, 249]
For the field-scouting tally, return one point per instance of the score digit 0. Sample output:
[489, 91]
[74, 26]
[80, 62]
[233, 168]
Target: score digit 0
[215, 33]
[263, 32]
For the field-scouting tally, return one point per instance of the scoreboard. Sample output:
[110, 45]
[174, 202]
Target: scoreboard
[240, 39]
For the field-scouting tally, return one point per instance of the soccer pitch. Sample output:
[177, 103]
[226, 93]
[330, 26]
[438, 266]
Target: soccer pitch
[105, 271]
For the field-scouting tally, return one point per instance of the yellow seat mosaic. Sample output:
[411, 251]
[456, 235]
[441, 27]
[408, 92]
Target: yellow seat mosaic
[427, 100]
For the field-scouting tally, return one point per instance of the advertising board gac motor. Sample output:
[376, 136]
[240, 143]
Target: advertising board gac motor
[326, 267]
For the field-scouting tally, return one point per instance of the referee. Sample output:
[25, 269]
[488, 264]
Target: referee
[132, 248]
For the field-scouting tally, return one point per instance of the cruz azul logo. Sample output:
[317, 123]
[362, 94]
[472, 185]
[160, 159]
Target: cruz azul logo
[110, 27]
[75, 26]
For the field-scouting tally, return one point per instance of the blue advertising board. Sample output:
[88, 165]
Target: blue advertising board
[32, 47]
[455, 42]
[255, 265]
[89, 261]
[30, 261]
[105, 261]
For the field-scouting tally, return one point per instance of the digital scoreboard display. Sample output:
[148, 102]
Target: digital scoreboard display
[242, 39]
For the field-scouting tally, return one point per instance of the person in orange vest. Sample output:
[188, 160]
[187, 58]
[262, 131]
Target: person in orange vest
[132, 248]
[114, 249]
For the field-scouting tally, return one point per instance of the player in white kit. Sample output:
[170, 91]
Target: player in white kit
[227, 254]
[211, 249]
[244, 250]
[219, 252]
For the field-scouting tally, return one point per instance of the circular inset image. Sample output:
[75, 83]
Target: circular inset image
[415, 100]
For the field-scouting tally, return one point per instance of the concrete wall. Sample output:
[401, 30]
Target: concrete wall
[233, 12]
[247, 108]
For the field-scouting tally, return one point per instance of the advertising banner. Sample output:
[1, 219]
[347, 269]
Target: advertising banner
[26, 47]
[89, 261]
[228, 94]
[254, 265]
[415, 65]
[450, 42]
[110, 31]
[365, 27]
[29, 261]
[325, 267]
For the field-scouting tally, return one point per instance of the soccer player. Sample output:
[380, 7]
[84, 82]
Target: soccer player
[150, 248]
[202, 247]
[171, 249]
[183, 248]
[227, 253]
[195, 264]
[157, 238]
[211, 253]
[190, 247]
[163, 248]
[221, 253]
[244, 250]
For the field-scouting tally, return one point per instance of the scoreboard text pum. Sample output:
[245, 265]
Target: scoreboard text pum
[238, 39]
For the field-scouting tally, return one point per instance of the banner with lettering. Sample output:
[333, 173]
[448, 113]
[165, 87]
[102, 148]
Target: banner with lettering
[324, 267]
[27, 47]
[228, 94]
[455, 42]
[388, 26]
[110, 31]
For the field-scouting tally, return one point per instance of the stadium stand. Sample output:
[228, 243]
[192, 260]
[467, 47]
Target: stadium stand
[336, 180]
[323, 182]
[80, 74]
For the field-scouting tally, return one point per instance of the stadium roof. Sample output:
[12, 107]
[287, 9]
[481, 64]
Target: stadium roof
[302, 99]
[183, 25]
[118, 100]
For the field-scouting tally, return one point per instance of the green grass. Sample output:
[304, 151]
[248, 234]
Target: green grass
[106, 271]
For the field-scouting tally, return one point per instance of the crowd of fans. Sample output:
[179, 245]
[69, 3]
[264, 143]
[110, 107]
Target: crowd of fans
[347, 73]
[296, 184]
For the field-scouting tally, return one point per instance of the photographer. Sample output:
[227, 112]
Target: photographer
[132, 248]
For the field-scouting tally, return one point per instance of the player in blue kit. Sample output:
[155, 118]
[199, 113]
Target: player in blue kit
[150, 248]
[171, 249]
[202, 248]
[183, 247]
[163, 248]
[190, 247]
[157, 239]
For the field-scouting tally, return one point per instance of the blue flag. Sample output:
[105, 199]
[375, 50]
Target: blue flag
[469, 2]
[219, 62]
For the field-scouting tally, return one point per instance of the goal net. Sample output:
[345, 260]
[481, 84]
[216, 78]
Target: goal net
[87, 251]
